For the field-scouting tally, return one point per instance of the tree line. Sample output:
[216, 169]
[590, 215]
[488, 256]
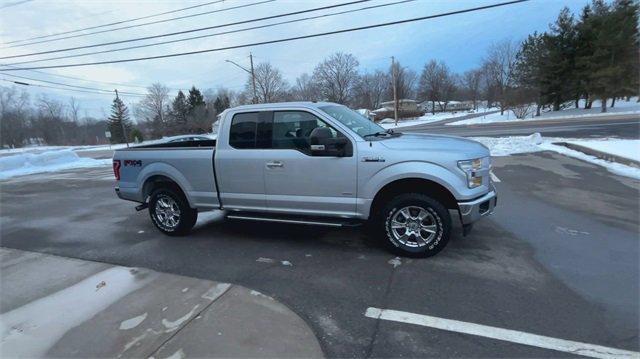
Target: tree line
[594, 56]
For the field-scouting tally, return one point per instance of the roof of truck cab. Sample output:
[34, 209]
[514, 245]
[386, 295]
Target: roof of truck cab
[262, 106]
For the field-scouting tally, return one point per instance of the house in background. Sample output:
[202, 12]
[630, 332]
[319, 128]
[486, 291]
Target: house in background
[451, 106]
[406, 108]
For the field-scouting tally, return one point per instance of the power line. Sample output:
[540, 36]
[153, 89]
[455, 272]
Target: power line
[143, 24]
[117, 22]
[91, 81]
[74, 86]
[211, 35]
[276, 41]
[57, 88]
[187, 31]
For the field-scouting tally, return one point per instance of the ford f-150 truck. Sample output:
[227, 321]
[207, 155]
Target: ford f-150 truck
[313, 163]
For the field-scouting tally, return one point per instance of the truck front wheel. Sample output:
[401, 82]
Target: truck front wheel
[415, 225]
[170, 212]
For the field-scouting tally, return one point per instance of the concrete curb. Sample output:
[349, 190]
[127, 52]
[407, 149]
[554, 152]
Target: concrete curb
[61, 307]
[599, 154]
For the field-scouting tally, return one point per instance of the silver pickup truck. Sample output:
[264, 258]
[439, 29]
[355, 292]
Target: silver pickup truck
[313, 163]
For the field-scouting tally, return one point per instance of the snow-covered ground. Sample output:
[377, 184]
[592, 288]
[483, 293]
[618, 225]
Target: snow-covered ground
[621, 107]
[50, 161]
[41, 149]
[505, 146]
[623, 148]
[428, 118]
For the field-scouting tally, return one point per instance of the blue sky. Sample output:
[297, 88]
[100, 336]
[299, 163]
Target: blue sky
[460, 40]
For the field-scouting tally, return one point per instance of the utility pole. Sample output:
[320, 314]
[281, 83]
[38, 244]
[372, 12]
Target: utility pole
[395, 91]
[124, 129]
[250, 72]
[253, 78]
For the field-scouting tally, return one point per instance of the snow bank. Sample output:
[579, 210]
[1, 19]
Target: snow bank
[422, 120]
[50, 161]
[505, 146]
[622, 108]
[623, 148]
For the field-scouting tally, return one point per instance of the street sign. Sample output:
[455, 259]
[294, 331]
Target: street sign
[108, 134]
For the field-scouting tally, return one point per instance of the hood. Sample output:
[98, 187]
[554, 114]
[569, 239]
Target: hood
[436, 143]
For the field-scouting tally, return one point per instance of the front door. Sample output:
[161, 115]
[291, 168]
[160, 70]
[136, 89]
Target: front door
[296, 181]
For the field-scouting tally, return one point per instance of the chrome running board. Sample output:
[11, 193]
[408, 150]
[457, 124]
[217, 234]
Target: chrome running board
[286, 220]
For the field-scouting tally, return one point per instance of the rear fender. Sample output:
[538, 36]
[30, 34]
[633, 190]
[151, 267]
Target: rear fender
[164, 169]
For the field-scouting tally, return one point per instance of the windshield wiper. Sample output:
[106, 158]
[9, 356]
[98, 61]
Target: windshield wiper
[378, 134]
[381, 133]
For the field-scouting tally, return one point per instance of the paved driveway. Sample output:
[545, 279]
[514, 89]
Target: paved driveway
[558, 259]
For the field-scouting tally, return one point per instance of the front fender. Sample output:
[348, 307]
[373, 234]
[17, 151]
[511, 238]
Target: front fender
[164, 169]
[413, 169]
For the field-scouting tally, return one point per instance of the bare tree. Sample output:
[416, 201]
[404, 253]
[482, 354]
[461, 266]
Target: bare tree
[13, 117]
[337, 77]
[153, 108]
[498, 67]
[370, 90]
[49, 121]
[270, 86]
[305, 89]
[405, 82]
[471, 86]
[437, 84]
[74, 109]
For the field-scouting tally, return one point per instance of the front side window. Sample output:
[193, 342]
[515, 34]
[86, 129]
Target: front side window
[291, 130]
[356, 122]
[244, 127]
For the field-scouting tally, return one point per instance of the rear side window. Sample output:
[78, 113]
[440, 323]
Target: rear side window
[244, 127]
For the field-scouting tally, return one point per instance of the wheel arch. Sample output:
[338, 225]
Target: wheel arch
[154, 182]
[424, 186]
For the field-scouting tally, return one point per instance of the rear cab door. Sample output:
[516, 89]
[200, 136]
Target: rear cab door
[239, 160]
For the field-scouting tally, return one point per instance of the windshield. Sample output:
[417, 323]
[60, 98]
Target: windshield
[355, 121]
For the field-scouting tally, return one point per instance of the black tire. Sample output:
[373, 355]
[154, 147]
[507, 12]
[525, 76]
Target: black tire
[437, 220]
[186, 218]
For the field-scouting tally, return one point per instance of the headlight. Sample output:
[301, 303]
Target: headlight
[470, 167]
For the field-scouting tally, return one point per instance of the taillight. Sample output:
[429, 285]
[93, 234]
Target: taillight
[116, 169]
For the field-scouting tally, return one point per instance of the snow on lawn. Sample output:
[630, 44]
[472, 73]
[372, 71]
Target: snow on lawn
[428, 118]
[505, 146]
[621, 107]
[624, 148]
[50, 161]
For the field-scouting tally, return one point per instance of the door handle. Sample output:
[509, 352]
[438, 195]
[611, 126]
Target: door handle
[274, 164]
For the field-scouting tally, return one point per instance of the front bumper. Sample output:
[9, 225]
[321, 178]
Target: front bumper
[474, 210]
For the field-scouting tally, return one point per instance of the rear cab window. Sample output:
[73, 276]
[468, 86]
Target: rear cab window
[249, 130]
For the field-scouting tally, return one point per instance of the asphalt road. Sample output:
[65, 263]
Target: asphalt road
[559, 258]
[622, 126]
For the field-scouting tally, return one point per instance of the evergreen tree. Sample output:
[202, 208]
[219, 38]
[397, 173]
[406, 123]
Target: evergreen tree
[195, 99]
[584, 51]
[626, 39]
[179, 112]
[221, 104]
[119, 118]
[528, 68]
[613, 63]
[558, 80]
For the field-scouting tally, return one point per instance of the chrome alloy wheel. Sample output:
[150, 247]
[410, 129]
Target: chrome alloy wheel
[414, 226]
[167, 212]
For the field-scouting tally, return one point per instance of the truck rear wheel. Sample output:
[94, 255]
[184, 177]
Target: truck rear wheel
[170, 212]
[414, 225]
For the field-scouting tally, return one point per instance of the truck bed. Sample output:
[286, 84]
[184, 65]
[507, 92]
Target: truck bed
[187, 163]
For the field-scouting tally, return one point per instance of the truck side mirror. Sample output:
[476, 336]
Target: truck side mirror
[323, 143]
